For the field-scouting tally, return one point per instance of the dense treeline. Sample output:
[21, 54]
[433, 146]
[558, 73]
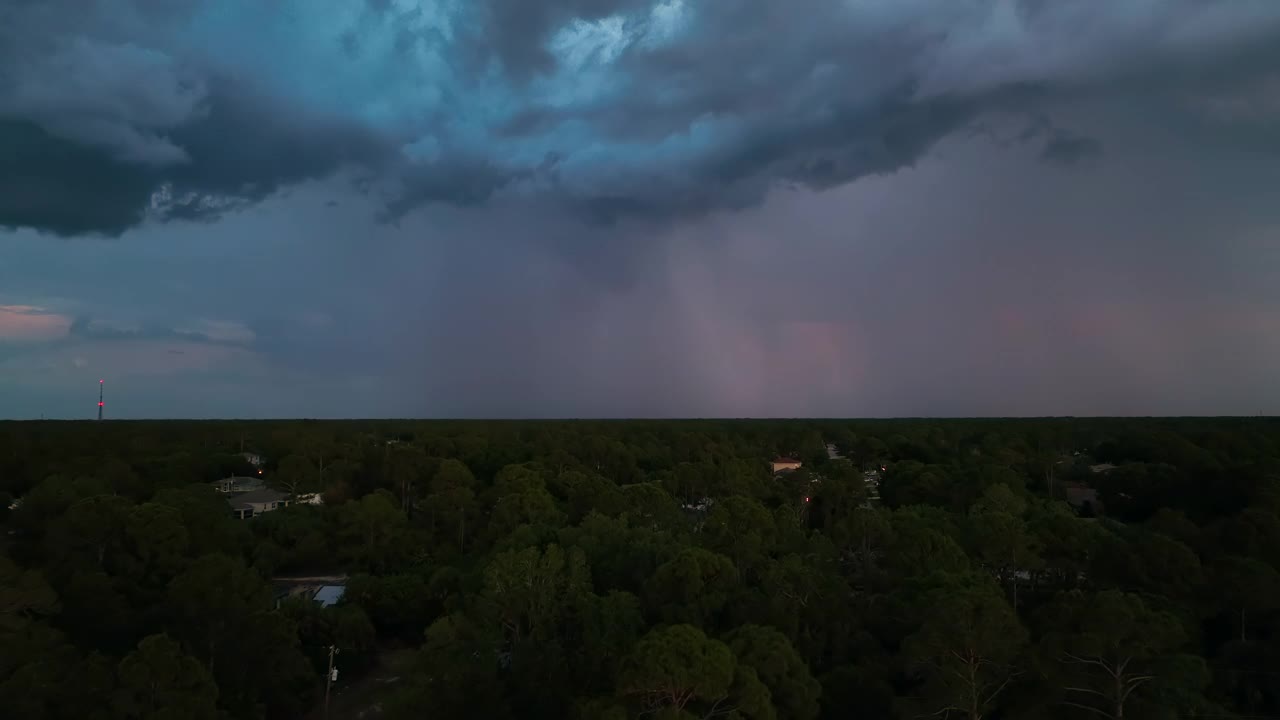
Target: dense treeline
[647, 569]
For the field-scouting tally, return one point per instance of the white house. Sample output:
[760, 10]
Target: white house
[235, 485]
[256, 502]
[871, 479]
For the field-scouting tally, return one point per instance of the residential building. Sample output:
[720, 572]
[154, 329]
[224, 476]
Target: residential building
[249, 496]
[1082, 497]
[871, 479]
[785, 464]
[325, 590]
[238, 484]
[256, 502]
[253, 459]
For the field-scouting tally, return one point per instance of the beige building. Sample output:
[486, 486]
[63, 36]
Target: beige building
[784, 464]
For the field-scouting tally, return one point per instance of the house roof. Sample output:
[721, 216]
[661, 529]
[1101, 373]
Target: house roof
[264, 495]
[239, 480]
[329, 595]
[786, 460]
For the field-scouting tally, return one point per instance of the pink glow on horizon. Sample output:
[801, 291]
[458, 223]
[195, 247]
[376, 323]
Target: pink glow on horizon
[31, 323]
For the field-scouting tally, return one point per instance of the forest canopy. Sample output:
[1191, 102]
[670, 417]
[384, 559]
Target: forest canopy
[1000, 569]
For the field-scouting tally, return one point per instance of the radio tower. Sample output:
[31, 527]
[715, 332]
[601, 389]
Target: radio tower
[100, 382]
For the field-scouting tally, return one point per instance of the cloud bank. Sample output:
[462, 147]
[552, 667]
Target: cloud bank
[118, 111]
[619, 208]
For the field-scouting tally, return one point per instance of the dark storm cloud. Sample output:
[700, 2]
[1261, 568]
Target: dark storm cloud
[250, 145]
[1065, 148]
[67, 188]
[515, 31]
[242, 148]
[617, 108]
[818, 94]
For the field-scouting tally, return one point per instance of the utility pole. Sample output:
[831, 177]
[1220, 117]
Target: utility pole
[329, 678]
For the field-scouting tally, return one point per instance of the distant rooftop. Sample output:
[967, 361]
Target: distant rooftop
[239, 480]
[264, 495]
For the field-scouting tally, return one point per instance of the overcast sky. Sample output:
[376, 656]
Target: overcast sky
[507, 208]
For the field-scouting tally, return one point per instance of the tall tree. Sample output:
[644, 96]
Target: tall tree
[530, 591]
[1246, 588]
[160, 682]
[296, 475]
[792, 689]
[452, 499]
[87, 535]
[212, 603]
[964, 654]
[675, 669]
[693, 587]
[1001, 539]
[1109, 649]
[742, 529]
[863, 538]
[455, 675]
[372, 532]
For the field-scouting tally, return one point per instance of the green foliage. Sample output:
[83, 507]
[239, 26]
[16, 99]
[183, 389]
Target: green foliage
[296, 474]
[24, 596]
[792, 689]
[965, 654]
[456, 674]
[159, 682]
[371, 532]
[204, 515]
[645, 570]
[620, 554]
[693, 587]
[398, 605]
[530, 590]
[1109, 649]
[920, 547]
[742, 529]
[676, 667]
